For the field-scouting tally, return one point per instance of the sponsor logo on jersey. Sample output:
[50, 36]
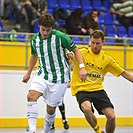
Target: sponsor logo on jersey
[94, 76]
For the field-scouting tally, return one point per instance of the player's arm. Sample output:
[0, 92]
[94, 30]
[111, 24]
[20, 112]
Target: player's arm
[127, 75]
[82, 72]
[32, 63]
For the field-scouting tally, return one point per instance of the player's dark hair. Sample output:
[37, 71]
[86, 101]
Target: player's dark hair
[46, 20]
[98, 34]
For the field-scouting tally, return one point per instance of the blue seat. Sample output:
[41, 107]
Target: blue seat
[64, 4]
[85, 13]
[110, 41]
[97, 4]
[110, 31]
[101, 27]
[76, 40]
[74, 4]
[52, 4]
[121, 31]
[106, 5]
[51, 11]
[86, 40]
[11, 16]
[130, 31]
[101, 19]
[108, 19]
[1, 26]
[36, 27]
[86, 5]
[60, 23]
[21, 38]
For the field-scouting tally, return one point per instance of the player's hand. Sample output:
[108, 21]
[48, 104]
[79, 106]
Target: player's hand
[70, 55]
[83, 74]
[26, 78]
[68, 84]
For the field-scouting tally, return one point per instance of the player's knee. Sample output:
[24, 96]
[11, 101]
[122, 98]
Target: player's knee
[50, 110]
[111, 118]
[86, 109]
[33, 96]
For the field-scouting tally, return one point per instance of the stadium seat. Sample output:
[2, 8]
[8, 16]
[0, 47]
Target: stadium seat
[1, 26]
[85, 13]
[108, 18]
[97, 4]
[86, 41]
[121, 31]
[106, 5]
[21, 38]
[51, 11]
[35, 27]
[52, 4]
[101, 19]
[11, 16]
[86, 5]
[60, 23]
[101, 27]
[74, 4]
[76, 40]
[64, 4]
[110, 31]
[130, 31]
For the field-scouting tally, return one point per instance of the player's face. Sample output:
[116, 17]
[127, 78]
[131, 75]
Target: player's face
[45, 31]
[96, 45]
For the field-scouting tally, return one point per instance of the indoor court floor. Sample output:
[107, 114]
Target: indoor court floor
[70, 130]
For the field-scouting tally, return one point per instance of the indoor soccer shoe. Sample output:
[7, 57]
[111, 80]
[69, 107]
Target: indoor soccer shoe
[29, 131]
[52, 128]
[66, 125]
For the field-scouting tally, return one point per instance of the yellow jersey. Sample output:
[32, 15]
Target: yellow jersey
[97, 67]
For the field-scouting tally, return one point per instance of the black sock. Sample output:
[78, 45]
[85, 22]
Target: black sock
[62, 111]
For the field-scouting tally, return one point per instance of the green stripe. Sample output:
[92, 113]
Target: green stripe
[51, 60]
[59, 60]
[43, 60]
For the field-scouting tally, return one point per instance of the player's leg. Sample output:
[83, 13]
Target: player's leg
[49, 118]
[32, 108]
[90, 117]
[110, 115]
[53, 98]
[64, 120]
[53, 127]
[37, 88]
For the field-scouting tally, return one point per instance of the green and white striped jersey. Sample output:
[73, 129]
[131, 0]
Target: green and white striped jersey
[126, 8]
[53, 64]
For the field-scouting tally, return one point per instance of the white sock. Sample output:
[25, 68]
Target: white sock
[49, 119]
[32, 115]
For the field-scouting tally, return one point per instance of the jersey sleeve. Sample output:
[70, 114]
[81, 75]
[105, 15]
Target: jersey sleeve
[67, 42]
[33, 46]
[115, 68]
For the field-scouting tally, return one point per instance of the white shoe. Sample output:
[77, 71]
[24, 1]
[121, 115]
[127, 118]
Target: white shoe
[29, 131]
[43, 131]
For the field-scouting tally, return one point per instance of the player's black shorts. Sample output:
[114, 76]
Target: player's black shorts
[98, 99]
